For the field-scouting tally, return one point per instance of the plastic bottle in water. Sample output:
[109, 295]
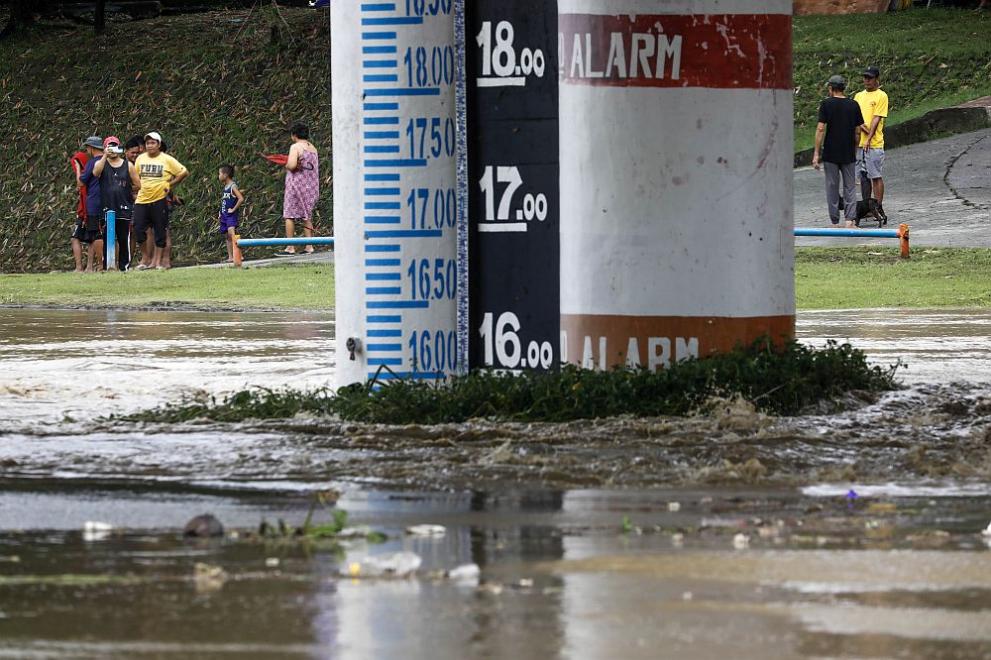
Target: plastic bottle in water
[395, 565]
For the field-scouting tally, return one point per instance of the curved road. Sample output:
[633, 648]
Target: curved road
[942, 189]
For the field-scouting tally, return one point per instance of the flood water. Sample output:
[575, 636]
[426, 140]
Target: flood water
[727, 536]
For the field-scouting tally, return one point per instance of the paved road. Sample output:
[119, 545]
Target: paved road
[942, 189]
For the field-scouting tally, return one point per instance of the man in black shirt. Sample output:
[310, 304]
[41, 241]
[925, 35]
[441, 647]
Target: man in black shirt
[840, 120]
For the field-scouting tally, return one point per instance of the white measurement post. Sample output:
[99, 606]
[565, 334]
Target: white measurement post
[395, 208]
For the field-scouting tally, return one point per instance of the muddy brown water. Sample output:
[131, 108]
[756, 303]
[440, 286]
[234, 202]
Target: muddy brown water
[729, 535]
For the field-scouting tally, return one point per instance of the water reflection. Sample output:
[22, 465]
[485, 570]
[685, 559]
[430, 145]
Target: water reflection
[554, 589]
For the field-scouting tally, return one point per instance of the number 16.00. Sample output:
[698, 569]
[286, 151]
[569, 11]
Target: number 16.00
[502, 346]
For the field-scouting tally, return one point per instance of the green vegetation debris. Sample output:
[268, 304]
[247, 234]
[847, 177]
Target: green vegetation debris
[776, 380]
[70, 580]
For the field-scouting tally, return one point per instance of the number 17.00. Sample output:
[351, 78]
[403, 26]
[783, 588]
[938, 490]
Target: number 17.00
[534, 206]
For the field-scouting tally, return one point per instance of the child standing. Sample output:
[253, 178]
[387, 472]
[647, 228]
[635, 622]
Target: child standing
[230, 205]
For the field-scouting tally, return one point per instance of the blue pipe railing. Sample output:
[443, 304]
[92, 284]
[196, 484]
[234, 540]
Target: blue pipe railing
[277, 242]
[849, 233]
[901, 234]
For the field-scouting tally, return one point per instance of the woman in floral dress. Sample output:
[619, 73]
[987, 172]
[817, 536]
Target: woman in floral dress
[302, 185]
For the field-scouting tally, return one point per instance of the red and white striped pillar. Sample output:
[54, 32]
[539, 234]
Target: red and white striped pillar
[676, 178]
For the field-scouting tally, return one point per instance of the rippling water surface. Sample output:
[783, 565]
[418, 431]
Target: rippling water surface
[851, 534]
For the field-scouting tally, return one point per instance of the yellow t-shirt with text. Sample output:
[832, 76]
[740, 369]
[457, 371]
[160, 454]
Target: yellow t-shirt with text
[156, 176]
[873, 104]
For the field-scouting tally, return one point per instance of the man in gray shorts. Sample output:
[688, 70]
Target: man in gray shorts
[837, 137]
[870, 159]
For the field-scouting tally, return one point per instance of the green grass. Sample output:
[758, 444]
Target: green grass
[825, 278]
[865, 277]
[929, 59]
[783, 380]
[292, 287]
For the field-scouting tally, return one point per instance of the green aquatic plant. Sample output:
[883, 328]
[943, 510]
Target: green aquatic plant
[318, 531]
[782, 380]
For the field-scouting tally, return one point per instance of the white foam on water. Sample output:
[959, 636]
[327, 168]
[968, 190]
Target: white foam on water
[899, 490]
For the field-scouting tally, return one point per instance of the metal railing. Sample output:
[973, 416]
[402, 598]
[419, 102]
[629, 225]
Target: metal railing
[902, 234]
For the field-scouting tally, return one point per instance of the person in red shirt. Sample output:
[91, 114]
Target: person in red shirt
[78, 164]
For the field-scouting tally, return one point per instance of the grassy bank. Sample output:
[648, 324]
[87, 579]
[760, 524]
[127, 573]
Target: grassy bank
[221, 87]
[862, 277]
[929, 59]
[287, 287]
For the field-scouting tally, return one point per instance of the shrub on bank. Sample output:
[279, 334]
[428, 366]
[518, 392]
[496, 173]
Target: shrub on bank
[783, 382]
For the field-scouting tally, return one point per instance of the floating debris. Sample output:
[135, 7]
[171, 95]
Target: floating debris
[395, 565]
[355, 532]
[741, 541]
[203, 526]
[426, 530]
[464, 573]
[96, 531]
[208, 577]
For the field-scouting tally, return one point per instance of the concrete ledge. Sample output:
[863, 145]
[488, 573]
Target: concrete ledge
[930, 126]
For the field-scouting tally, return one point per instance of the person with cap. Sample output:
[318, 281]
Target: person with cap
[118, 182]
[874, 106]
[93, 233]
[159, 174]
[837, 137]
[78, 163]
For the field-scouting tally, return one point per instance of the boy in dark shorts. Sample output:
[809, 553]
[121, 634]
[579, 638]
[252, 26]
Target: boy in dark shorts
[230, 205]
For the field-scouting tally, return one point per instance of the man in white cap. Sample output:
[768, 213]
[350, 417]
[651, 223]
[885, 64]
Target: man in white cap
[159, 173]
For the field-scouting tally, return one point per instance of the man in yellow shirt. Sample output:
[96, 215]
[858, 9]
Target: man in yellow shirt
[870, 159]
[159, 173]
